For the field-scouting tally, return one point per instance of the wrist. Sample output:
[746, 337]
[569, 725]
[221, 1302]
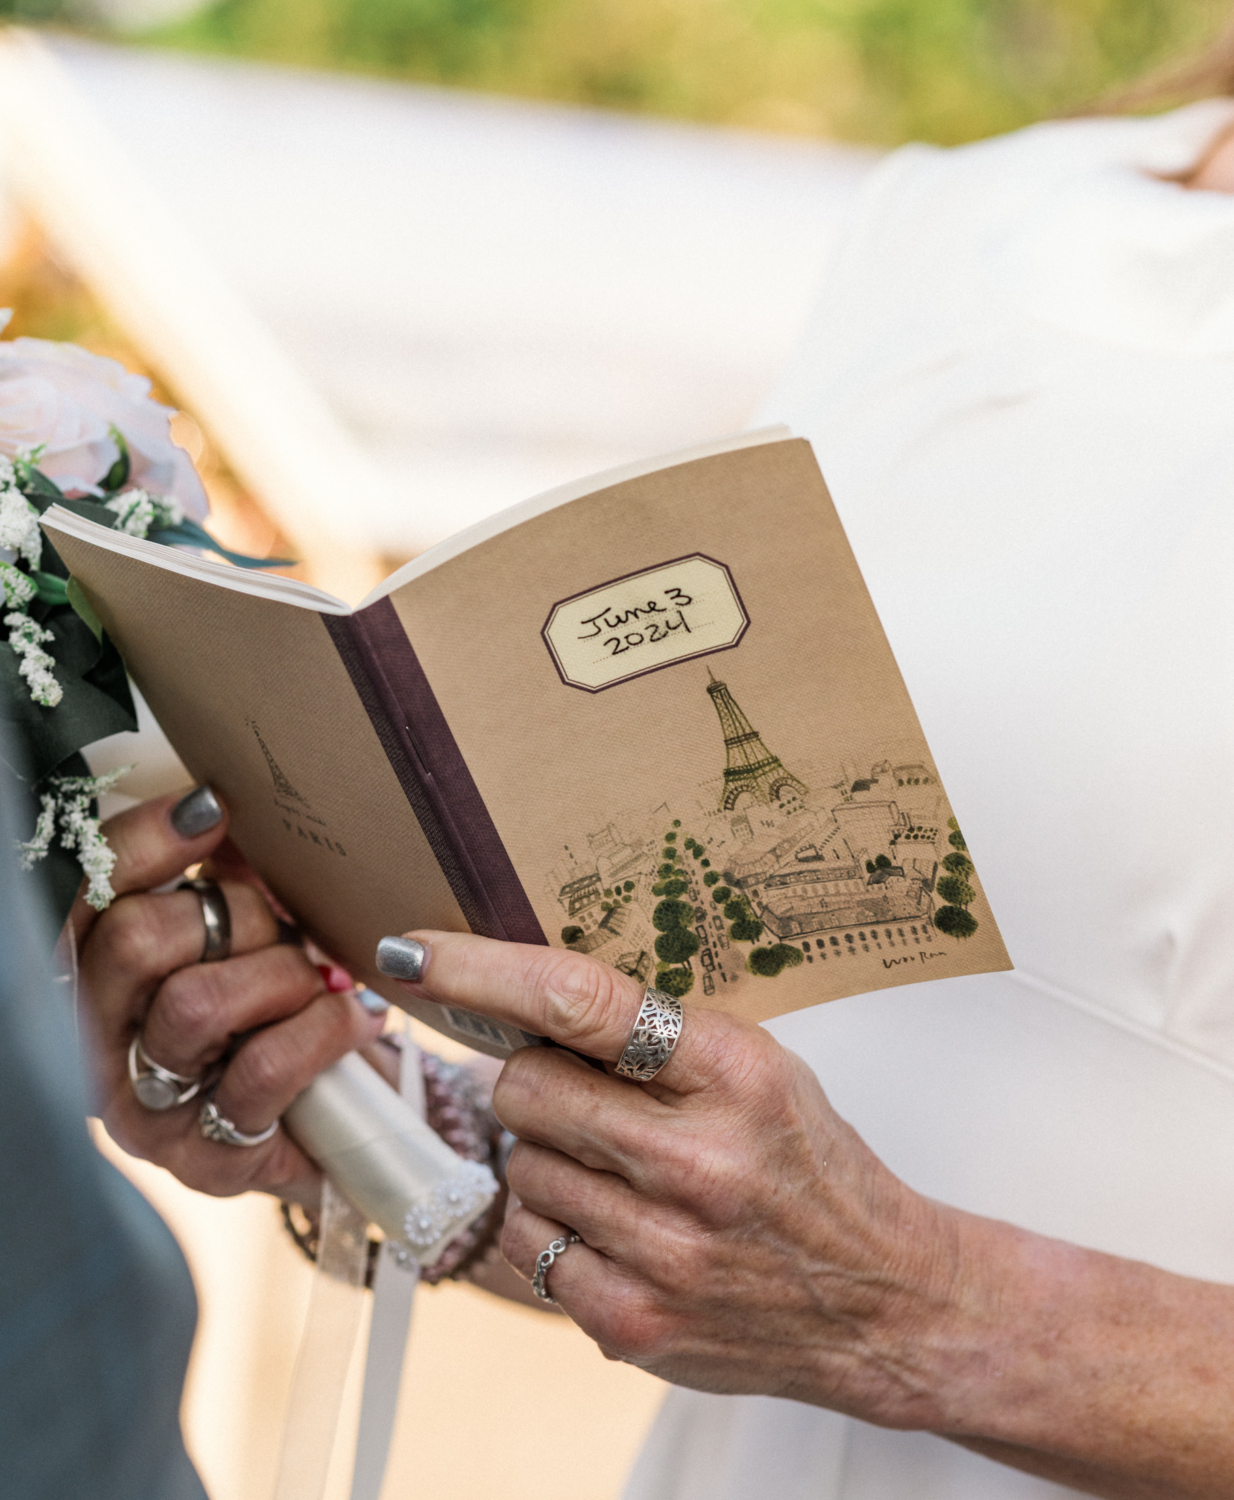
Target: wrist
[994, 1350]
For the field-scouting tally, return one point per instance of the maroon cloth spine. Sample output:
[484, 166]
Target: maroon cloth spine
[424, 755]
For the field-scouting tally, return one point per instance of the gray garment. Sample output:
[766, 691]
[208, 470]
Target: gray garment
[96, 1306]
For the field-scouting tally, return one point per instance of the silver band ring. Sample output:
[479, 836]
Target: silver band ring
[158, 1088]
[216, 914]
[656, 1031]
[544, 1263]
[217, 1127]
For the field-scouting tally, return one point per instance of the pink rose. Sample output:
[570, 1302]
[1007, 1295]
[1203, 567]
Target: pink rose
[65, 400]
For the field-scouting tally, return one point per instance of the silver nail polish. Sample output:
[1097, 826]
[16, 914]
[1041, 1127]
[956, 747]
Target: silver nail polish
[372, 1001]
[196, 814]
[401, 958]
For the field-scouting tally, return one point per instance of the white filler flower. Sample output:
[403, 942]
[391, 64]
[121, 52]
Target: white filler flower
[19, 521]
[140, 512]
[27, 637]
[67, 803]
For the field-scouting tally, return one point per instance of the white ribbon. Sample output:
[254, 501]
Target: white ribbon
[334, 1315]
[394, 1291]
[336, 1306]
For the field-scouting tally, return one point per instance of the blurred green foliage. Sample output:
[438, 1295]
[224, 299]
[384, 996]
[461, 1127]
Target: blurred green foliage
[876, 70]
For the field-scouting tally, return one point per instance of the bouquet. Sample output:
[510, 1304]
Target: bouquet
[81, 431]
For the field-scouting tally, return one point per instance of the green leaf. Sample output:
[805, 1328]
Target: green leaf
[82, 608]
[96, 699]
[37, 488]
[51, 590]
[117, 475]
[189, 534]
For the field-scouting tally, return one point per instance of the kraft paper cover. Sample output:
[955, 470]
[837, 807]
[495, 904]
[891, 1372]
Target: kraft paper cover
[253, 696]
[835, 846]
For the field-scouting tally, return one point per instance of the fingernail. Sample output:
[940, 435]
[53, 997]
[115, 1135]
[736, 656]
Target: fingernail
[401, 958]
[337, 980]
[197, 813]
[372, 1001]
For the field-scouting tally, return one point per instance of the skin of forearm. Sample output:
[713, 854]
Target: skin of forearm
[1103, 1374]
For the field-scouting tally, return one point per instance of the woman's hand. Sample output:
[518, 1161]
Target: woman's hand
[738, 1236]
[266, 1009]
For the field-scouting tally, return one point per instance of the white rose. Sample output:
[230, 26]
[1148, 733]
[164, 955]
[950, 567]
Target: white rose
[66, 401]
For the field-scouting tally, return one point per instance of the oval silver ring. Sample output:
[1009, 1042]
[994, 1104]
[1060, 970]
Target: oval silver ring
[158, 1088]
[216, 915]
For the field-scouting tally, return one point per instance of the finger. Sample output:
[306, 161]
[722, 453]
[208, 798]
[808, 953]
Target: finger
[600, 1206]
[547, 1096]
[273, 1067]
[585, 1284]
[174, 1141]
[199, 1011]
[142, 938]
[155, 841]
[552, 992]
[227, 863]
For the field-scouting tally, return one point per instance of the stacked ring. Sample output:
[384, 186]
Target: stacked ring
[217, 1127]
[158, 1088]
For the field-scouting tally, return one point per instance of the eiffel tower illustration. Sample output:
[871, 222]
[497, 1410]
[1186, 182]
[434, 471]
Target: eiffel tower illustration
[282, 785]
[751, 766]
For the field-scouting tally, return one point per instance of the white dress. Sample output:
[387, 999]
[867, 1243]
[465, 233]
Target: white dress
[1020, 385]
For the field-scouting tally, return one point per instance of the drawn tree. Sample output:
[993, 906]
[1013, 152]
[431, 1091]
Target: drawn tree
[770, 962]
[671, 913]
[571, 934]
[677, 945]
[675, 981]
[956, 891]
[746, 929]
[955, 920]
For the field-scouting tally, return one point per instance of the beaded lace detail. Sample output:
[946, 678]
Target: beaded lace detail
[450, 1204]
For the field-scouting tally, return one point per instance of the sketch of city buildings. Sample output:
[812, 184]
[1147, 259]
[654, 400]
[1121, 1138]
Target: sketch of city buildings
[846, 868]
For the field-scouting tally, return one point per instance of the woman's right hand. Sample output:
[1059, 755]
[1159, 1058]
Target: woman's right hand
[265, 1009]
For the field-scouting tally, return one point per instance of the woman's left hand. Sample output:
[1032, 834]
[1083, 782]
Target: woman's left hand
[737, 1235]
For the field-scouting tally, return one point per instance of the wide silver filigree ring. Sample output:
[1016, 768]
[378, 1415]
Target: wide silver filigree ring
[216, 915]
[217, 1127]
[655, 1034]
[544, 1263]
[157, 1087]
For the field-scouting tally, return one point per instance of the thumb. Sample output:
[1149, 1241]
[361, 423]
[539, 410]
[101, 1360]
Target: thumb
[156, 841]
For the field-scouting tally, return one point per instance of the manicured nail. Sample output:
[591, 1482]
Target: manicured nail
[372, 1001]
[336, 979]
[401, 958]
[196, 814]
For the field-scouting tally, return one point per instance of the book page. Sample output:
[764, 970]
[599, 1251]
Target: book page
[679, 708]
[562, 494]
[255, 699]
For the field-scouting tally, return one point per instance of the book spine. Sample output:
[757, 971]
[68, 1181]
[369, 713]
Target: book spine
[430, 767]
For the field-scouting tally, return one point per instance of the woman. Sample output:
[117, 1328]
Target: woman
[1019, 385]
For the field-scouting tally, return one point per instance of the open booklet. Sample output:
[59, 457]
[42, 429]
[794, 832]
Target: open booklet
[652, 717]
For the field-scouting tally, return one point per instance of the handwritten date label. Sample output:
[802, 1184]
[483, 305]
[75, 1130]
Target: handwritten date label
[645, 621]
